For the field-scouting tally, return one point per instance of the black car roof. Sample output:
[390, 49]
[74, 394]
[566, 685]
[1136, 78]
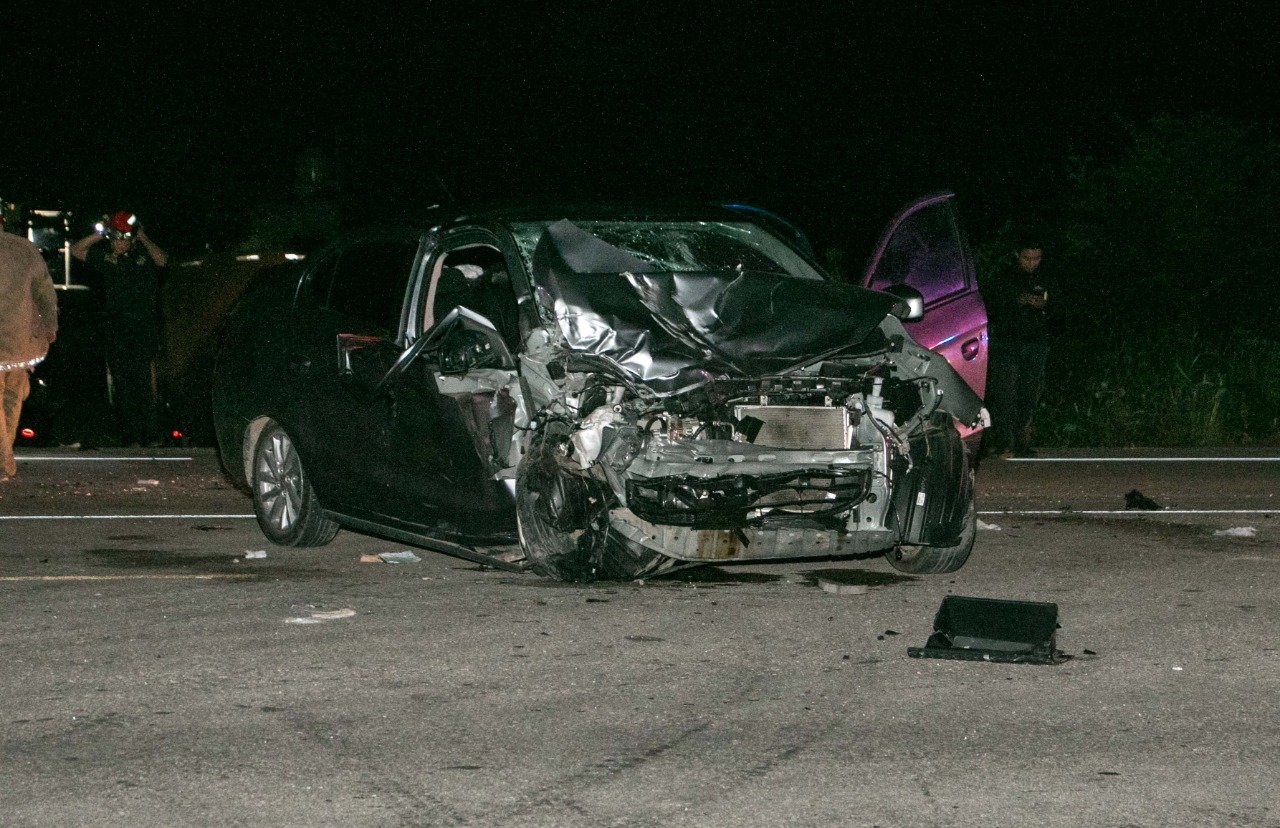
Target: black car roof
[444, 217]
[621, 211]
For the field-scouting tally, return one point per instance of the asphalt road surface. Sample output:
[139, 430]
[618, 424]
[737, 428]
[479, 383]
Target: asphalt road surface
[153, 674]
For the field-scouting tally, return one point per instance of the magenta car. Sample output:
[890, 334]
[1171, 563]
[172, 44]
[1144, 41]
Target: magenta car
[925, 248]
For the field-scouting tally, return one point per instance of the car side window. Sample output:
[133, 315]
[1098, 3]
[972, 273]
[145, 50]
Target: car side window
[368, 281]
[475, 277]
[925, 252]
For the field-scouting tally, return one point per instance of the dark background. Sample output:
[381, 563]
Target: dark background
[831, 113]
[1139, 139]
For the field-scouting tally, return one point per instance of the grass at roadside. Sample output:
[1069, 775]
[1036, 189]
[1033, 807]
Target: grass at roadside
[1136, 389]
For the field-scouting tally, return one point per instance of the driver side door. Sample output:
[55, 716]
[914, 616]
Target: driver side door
[350, 338]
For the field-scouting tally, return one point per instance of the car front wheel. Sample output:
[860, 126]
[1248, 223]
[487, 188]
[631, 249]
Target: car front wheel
[564, 520]
[932, 560]
[283, 499]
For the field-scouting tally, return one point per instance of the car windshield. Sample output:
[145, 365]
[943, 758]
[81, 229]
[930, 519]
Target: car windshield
[686, 246]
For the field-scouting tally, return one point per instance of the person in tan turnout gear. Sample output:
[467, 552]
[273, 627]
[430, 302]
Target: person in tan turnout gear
[28, 325]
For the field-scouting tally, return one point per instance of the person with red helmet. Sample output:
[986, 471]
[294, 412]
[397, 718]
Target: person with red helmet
[130, 264]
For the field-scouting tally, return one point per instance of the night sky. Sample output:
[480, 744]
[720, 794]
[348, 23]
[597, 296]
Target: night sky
[831, 113]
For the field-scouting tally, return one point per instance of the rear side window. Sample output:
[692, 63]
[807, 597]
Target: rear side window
[367, 281]
[926, 252]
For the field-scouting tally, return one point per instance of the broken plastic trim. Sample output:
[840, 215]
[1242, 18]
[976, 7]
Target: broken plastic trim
[728, 502]
[990, 629]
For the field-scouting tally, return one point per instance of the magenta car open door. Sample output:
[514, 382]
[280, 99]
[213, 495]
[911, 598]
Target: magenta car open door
[925, 247]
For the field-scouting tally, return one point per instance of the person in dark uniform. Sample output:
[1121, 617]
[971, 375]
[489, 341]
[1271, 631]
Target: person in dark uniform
[1020, 299]
[130, 264]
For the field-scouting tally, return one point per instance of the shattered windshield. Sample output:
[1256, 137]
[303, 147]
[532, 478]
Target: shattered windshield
[686, 246]
[693, 302]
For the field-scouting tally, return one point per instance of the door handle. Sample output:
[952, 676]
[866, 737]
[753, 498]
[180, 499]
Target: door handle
[969, 350]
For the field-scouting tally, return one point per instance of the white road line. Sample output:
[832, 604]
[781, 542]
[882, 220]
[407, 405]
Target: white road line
[216, 577]
[126, 517]
[1134, 512]
[1142, 460]
[22, 459]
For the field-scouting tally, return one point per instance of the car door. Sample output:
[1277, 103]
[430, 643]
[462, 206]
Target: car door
[350, 334]
[924, 247]
[456, 392]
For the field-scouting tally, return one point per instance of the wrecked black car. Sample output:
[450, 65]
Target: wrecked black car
[594, 393]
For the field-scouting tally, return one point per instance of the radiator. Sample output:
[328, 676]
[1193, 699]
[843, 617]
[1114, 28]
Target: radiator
[799, 427]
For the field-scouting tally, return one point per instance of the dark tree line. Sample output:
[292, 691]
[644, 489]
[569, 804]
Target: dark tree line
[1169, 252]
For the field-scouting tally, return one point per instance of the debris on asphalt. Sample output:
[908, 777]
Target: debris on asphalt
[332, 615]
[842, 589]
[148, 482]
[1237, 532]
[399, 557]
[321, 616]
[983, 526]
[369, 557]
[1135, 499]
[255, 554]
[992, 629]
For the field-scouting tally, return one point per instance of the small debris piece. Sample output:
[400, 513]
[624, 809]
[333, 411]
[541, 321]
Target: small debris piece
[987, 527]
[148, 482]
[1236, 532]
[1135, 499]
[255, 554]
[320, 616]
[842, 589]
[368, 557]
[332, 615]
[399, 557]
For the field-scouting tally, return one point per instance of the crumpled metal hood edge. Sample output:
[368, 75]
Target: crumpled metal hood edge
[673, 331]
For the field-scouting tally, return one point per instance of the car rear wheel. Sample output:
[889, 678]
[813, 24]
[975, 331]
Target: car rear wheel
[283, 499]
[564, 520]
[932, 560]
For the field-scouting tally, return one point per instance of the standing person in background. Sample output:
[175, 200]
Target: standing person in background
[130, 265]
[28, 325]
[1018, 297]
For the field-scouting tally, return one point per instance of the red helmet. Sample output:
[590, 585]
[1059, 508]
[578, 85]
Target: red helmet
[119, 225]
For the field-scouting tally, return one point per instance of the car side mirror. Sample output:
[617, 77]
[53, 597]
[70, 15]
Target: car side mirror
[464, 349]
[363, 359]
[910, 305]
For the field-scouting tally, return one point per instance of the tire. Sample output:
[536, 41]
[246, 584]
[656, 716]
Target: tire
[932, 560]
[283, 500]
[563, 520]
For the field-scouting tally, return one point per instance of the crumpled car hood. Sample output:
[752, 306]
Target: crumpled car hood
[673, 331]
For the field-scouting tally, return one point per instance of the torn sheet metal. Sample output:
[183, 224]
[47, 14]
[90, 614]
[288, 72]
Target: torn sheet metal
[991, 629]
[678, 329]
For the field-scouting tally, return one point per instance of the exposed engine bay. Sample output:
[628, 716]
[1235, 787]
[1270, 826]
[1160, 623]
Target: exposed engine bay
[659, 417]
